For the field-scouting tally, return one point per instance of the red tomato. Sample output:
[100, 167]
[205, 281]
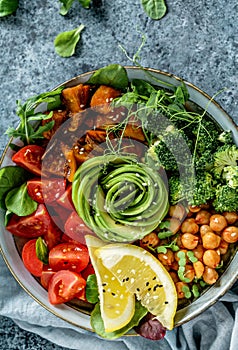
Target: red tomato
[64, 286]
[69, 256]
[45, 190]
[89, 270]
[46, 276]
[53, 235]
[30, 226]
[66, 199]
[30, 259]
[29, 158]
[81, 295]
[76, 229]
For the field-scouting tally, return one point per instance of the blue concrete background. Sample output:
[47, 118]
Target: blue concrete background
[196, 40]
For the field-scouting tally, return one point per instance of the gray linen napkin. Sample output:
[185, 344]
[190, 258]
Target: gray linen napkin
[215, 329]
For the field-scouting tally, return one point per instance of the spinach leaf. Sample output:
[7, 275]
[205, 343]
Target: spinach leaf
[19, 202]
[98, 326]
[112, 75]
[11, 177]
[155, 9]
[42, 251]
[8, 7]
[7, 217]
[85, 3]
[31, 112]
[67, 4]
[65, 42]
[92, 289]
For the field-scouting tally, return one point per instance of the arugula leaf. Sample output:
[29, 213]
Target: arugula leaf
[113, 75]
[98, 326]
[11, 177]
[19, 202]
[65, 42]
[155, 9]
[42, 251]
[31, 112]
[8, 7]
[92, 289]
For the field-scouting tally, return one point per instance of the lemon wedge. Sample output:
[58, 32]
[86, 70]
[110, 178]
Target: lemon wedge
[116, 303]
[142, 274]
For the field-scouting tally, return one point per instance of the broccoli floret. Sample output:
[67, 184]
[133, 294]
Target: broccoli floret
[225, 199]
[225, 156]
[172, 150]
[204, 162]
[176, 190]
[226, 138]
[203, 189]
[230, 175]
[206, 136]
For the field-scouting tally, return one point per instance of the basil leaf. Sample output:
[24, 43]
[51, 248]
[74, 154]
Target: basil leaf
[10, 177]
[155, 9]
[65, 42]
[85, 3]
[92, 289]
[98, 326]
[42, 251]
[8, 7]
[112, 75]
[19, 202]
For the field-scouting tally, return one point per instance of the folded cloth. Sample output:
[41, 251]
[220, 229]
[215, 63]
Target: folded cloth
[214, 329]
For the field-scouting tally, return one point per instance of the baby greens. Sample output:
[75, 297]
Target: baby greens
[112, 75]
[8, 7]
[42, 251]
[92, 289]
[155, 9]
[65, 42]
[67, 4]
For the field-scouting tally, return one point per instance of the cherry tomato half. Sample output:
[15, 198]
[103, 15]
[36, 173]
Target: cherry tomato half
[53, 235]
[29, 158]
[76, 229]
[46, 275]
[46, 190]
[64, 286]
[66, 199]
[69, 256]
[30, 226]
[30, 259]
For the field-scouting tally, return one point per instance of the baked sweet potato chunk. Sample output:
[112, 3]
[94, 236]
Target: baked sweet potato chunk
[59, 118]
[102, 98]
[76, 98]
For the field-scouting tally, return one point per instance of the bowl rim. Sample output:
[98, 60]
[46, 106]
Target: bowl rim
[182, 315]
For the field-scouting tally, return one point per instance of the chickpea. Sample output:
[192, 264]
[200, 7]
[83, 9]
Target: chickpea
[179, 242]
[198, 252]
[231, 217]
[189, 241]
[211, 258]
[189, 272]
[223, 247]
[177, 211]
[210, 275]
[210, 240]
[179, 287]
[194, 208]
[167, 259]
[174, 265]
[204, 229]
[150, 240]
[174, 276]
[174, 225]
[230, 234]
[217, 222]
[203, 217]
[189, 226]
[198, 268]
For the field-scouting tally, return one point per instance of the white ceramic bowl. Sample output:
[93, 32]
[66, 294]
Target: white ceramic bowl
[82, 319]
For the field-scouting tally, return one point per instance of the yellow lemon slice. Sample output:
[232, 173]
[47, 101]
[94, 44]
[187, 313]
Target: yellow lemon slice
[141, 273]
[116, 303]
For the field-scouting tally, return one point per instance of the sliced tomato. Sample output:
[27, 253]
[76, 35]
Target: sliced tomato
[89, 270]
[66, 199]
[53, 235]
[59, 214]
[30, 259]
[69, 256]
[64, 286]
[46, 190]
[76, 229]
[81, 295]
[30, 226]
[29, 158]
[46, 276]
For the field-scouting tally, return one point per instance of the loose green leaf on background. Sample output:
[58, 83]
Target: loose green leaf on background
[112, 75]
[65, 42]
[155, 9]
[67, 4]
[19, 202]
[7, 7]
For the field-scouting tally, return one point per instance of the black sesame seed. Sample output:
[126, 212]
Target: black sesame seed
[138, 289]
[104, 291]
[166, 302]
[149, 289]
[154, 278]
[147, 283]
[124, 280]
[127, 279]
[113, 294]
[104, 284]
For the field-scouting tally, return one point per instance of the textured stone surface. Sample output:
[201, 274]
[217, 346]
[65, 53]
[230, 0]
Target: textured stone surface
[196, 40]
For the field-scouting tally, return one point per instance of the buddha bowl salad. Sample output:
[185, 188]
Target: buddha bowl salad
[122, 199]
